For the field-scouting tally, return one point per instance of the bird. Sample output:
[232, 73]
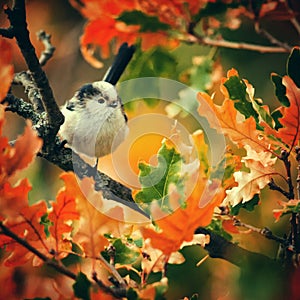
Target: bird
[95, 121]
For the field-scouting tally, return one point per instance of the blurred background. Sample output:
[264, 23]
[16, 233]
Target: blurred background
[67, 71]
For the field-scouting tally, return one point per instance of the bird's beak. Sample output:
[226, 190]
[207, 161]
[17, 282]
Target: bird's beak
[113, 103]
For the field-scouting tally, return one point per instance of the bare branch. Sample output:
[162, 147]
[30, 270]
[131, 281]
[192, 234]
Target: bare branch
[49, 48]
[24, 79]
[221, 43]
[266, 232]
[22, 108]
[271, 38]
[273, 186]
[49, 261]
[293, 19]
[219, 247]
[17, 18]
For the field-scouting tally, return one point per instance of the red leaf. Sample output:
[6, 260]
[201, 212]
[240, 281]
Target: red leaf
[7, 70]
[63, 211]
[290, 133]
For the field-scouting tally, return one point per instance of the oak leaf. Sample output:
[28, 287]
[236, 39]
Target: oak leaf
[63, 213]
[290, 133]
[179, 226]
[17, 157]
[261, 166]
[93, 224]
[227, 120]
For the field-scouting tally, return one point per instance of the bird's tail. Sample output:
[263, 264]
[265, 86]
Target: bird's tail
[121, 61]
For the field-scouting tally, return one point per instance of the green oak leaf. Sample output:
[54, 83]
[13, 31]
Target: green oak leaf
[293, 66]
[236, 88]
[82, 287]
[124, 254]
[155, 180]
[249, 205]
[280, 90]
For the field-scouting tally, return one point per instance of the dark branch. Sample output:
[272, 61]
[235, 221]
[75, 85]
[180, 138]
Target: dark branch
[219, 247]
[17, 18]
[68, 160]
[22, 108]
[49, 261]
[7, 32]
[273, 186]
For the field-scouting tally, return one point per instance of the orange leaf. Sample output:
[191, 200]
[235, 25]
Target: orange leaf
[227, 120]
[179, 226]
[13, 199]
[93, 223]
[17, 157]
[63, 211]
[290, 133]
[110, 29]
[7, 70]
[26, 224]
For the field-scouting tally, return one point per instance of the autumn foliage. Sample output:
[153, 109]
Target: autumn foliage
[81, 245]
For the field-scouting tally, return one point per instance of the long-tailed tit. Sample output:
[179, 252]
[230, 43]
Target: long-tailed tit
[95, 121]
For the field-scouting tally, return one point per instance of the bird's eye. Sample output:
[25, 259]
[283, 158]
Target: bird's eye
[101, 101]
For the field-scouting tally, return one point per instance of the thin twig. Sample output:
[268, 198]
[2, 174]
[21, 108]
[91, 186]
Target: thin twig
[49, 261]
[45, 38]
[221, 43]
[266, 232]
[111, 269]
[293, 19]
[271, 38]
[273, 186]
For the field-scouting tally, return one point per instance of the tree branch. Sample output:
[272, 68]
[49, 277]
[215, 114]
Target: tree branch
[24, 79]
[52, 263]
[266, 232]
[68, 160]
[273, 186]
[221, 43]
[219, 247]
[22, 108]
[17, 18]
[271, 38]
